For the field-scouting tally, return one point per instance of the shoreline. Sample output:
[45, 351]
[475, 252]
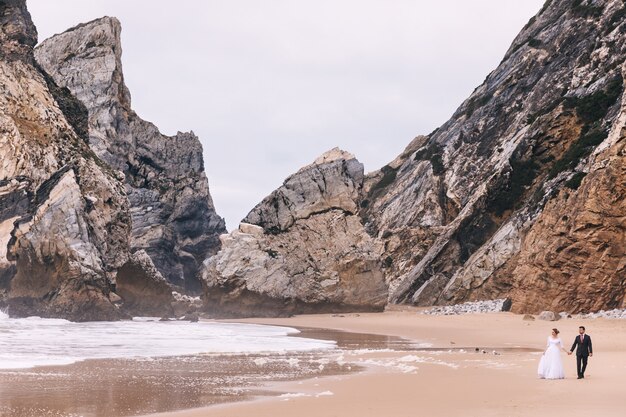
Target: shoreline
[451, 379]
[398, 362]
[130, 386]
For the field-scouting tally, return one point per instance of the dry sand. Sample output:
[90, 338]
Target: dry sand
[456, 383]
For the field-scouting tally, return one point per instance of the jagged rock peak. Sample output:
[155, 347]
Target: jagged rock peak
[333, 181]
[18, 34]
[100, 37]
[329, 156]
[173, 216]
[87, 59]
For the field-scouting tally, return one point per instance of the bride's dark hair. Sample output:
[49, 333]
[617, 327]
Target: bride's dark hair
[556, 331]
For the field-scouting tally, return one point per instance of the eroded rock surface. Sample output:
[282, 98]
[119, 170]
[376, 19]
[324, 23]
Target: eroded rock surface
[142, 288]
[574, 255]
[173, 217]
[501, 209]
[303, 249]
[520, 194]
[64, 218]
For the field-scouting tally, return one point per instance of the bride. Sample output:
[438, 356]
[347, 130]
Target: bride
[550, 365]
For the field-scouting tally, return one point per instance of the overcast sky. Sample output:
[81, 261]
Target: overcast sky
[270, 85]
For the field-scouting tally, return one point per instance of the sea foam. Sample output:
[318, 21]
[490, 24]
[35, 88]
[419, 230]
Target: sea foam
[35, 341]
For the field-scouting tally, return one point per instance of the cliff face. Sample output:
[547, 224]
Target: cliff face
[173, 217]
[18, 35]
[504, 211]
[575, 253]
[64, 219]
[73, 226]
[302, 249]
[520, 194]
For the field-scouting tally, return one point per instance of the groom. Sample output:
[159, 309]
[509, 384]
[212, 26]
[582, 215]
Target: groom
[582, 344]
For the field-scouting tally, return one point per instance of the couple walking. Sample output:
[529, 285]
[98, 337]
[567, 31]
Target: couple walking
[551, 366]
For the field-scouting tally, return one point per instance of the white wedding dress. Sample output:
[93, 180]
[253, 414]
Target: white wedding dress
[550, 365]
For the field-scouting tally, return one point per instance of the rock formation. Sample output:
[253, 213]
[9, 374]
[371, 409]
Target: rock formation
[173, 217]
[574, 255]
[142, 288]
[520, 194]
[64, 217]
[96, 206]
[503, 210]
[302, 249]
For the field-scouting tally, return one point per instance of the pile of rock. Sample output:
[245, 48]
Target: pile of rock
[609, 314]
[487, 306]
[552, 316]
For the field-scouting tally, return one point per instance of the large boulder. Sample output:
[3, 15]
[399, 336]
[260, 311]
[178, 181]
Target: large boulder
[142, 288]
[303, 249]
[548, 316]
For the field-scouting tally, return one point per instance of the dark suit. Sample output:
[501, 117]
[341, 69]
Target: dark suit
[583, 349]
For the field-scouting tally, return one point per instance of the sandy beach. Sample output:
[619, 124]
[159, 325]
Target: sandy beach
[451, 378]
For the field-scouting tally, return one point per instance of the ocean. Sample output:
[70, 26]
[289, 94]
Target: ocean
[58, 368]
[34, 341]
[54, 367]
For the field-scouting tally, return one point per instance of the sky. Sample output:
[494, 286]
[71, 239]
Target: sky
[270, 85]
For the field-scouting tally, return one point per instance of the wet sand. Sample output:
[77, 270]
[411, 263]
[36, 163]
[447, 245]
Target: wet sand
[451, 378]
[129, 387]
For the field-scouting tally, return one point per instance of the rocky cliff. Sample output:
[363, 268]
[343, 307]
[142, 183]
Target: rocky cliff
[574, 255]
[520, 194]
[520, 153]
[100, 214]
[63, 216]
[302, 249]
[173, 217]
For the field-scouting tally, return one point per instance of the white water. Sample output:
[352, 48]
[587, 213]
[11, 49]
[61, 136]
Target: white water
[29, 342]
